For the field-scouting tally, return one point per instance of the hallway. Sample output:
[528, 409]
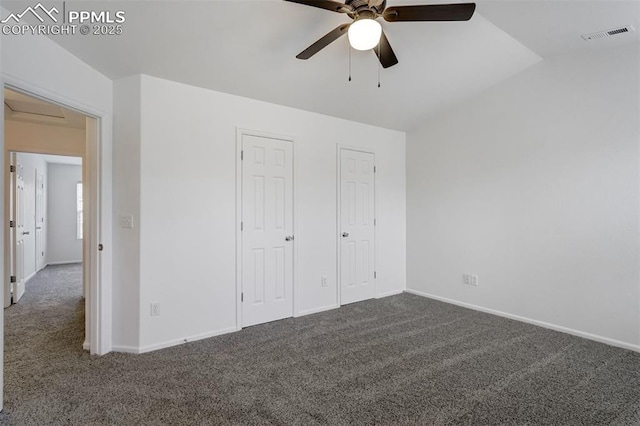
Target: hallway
[42, 330]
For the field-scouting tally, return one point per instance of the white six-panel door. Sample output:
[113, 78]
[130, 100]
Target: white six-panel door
[267, 230]
[357, 227]
[18, 230]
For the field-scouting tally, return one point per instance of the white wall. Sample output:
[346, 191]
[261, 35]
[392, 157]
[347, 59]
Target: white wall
[39, 65]
[126, 189]
[534, 187]
[30, 163]
[35, 137]
[188, 203]
[63, 246]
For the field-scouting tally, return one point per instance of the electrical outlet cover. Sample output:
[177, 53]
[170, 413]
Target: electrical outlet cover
[126, 221]
[155, 309]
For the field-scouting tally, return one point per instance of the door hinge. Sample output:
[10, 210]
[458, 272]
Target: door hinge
[375, 222]
[375, 275]
[241, 226]
[11, 224]
[241, 155]
[242, 297]
[374, 169]
[13, 278]
[12, 168]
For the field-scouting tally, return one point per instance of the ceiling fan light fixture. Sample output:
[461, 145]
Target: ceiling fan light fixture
[364, 34]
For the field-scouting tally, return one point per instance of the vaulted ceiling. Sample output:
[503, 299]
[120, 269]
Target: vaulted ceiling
[248, 48]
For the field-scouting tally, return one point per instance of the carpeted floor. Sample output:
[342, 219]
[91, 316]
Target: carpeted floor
[398, 360]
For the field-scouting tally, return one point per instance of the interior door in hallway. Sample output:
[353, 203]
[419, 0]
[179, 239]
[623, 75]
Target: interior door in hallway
[17, 230]
[357, 225]
[267, 229]
[39, 221]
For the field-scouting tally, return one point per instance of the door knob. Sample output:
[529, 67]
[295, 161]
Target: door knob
[345, 234]
[288, 238]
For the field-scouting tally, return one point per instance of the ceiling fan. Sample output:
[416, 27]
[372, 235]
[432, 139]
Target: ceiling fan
[365, 32]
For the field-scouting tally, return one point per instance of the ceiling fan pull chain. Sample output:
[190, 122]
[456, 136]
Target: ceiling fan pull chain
[349, 62]
[379, 65]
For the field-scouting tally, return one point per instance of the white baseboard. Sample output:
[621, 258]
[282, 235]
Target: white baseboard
[389, 293]
[33, 274]
[176, 342]
[316, 310]
[126, 349]
[63, 262]
[86, 346]
[543, 324]
[170, 343]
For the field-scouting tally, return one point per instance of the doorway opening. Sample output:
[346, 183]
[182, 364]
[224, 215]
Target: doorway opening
[48, 199]
[45, 217]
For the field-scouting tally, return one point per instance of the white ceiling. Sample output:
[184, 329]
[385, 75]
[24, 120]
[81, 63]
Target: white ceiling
[61, 159]
[21, 107]
[248, 48]
[554, 27]
[57, 159]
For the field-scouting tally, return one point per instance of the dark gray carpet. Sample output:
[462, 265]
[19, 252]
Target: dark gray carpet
[399, 360]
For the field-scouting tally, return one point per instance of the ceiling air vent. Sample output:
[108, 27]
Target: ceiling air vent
[608, 33]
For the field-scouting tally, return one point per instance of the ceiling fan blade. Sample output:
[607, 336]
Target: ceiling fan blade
[324, 42]
[333, 6]
[432, 12]
[385, 53]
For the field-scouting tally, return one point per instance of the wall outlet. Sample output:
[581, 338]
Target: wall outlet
[126, 221]
[470, 279]
[323, 281]
[474, 280]
[155, 309]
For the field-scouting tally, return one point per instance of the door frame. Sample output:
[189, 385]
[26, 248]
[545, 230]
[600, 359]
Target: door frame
[35, 237]
[240, 133]
[98, 303]
[339, 148]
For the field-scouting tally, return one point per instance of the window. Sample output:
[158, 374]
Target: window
[79, 210]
